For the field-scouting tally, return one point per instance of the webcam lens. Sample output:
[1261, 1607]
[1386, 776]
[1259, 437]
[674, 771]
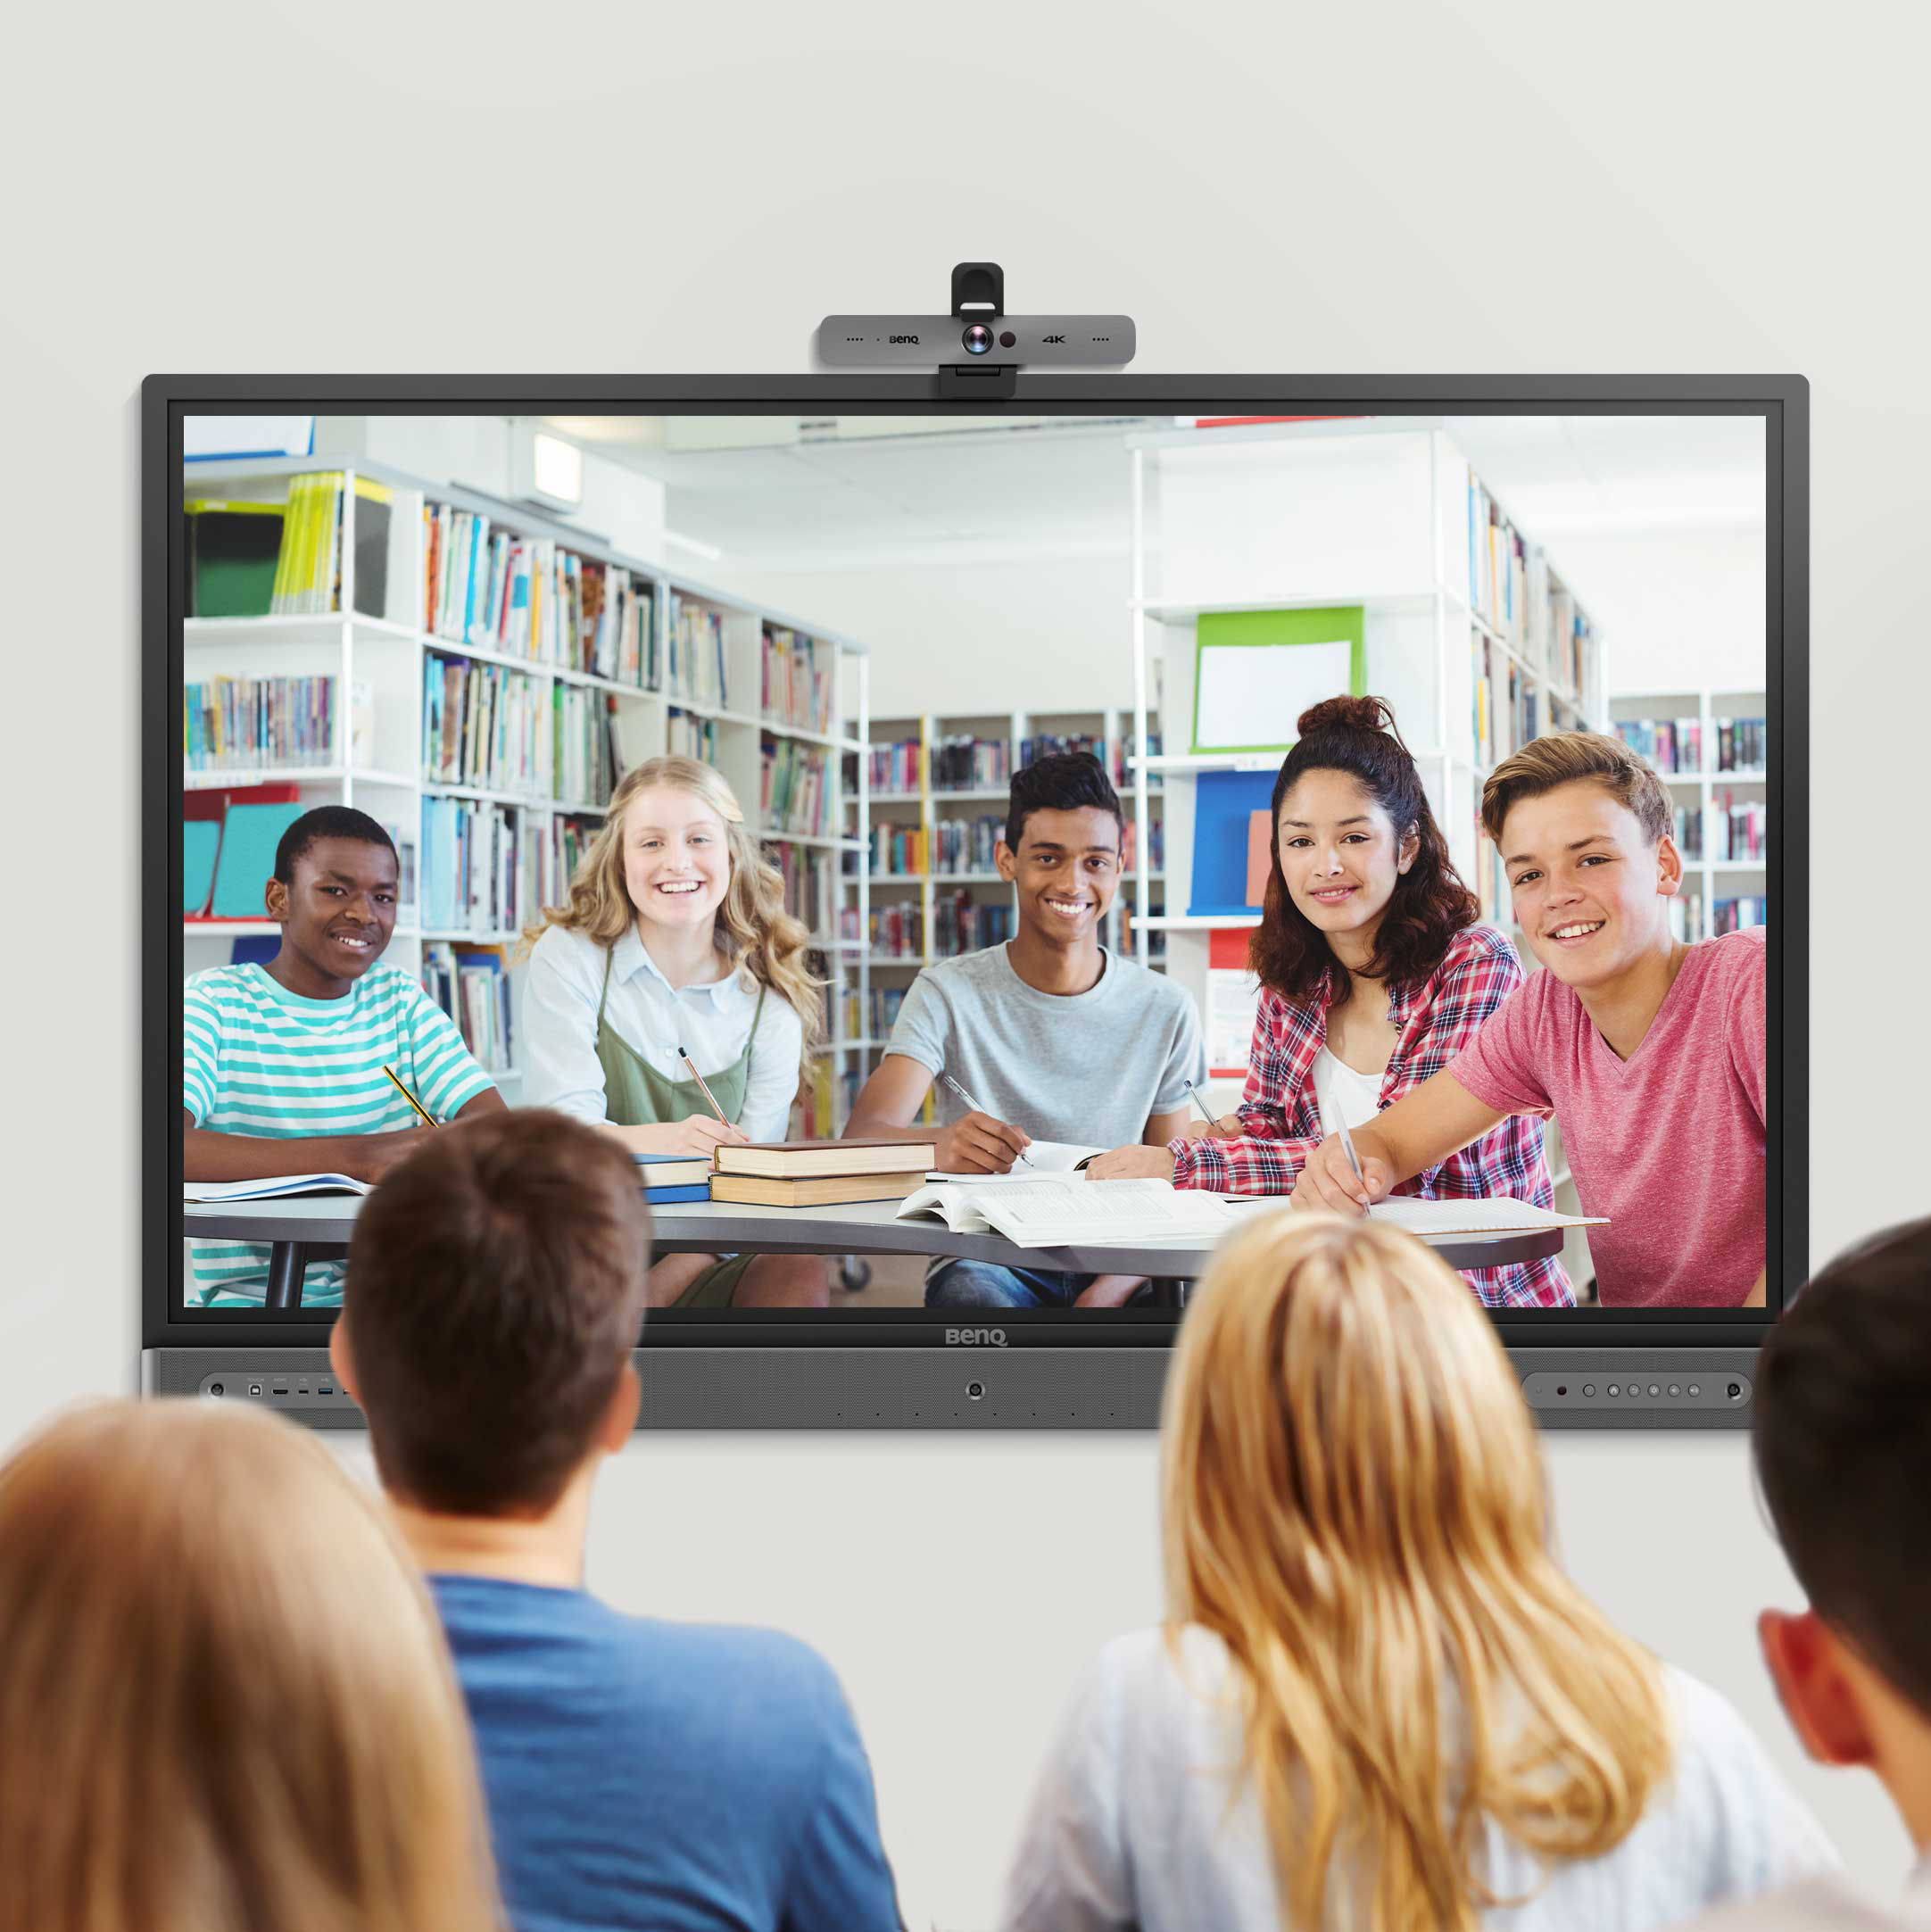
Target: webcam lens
[976, 1390]
[977, 339]
[1006, 339]
[1737, 1388]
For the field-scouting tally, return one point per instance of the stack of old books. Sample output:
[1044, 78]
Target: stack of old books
[819, 1173]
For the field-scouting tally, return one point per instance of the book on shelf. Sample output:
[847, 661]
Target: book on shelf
[892, 770]
[1673, 746]
[1742, 743]
[894, 932]
[532, 597]
[1054, 744]
[688, 736]
[233, 550]
[256, 724]
[584, 760]
[308, 566]
[473, 867]
[808, 882]
[695, 669]
[901, 849]
[201, 840]
[1738, 831]
[481, 727]
[800, 677]
[963, 925]
[793, 787]
[250, 834]
[964, 763]
[958, 844]
[873, 1017]
[471, 984]
[1740, 914]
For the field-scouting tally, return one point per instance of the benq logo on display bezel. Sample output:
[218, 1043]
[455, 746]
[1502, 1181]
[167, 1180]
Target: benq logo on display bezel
[902, 338]
[975, 1338]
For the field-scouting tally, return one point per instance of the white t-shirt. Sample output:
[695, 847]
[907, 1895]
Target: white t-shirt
[560, 992]
[1343, 1094]
[1827, 1906]
[1131, 1825]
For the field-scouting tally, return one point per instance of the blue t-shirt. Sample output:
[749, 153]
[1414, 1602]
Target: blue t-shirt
[687, 1777]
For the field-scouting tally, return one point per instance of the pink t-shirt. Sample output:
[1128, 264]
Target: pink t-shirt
[1669, 1143]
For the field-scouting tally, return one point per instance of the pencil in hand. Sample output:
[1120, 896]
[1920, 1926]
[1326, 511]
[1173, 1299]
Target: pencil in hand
[709, 1097]
[429, 1119]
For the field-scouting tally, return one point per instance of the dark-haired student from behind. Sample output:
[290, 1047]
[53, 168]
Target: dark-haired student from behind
[1056, 1037]
[682, 1778]
[1842, 1431]
[282, 1064]
[1374, 975]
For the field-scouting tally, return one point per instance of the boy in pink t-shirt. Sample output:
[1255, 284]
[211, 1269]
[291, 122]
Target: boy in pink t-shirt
[1649, 1052]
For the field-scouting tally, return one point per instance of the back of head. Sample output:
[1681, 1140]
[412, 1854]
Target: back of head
[494, 1290]
[226, 1704]
[1843, 1443]
[1354, 1504]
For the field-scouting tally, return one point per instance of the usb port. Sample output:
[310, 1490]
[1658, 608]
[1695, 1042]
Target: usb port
[324, 1391]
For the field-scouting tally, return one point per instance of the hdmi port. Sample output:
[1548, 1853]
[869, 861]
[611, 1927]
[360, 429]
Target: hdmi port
[279, 1391]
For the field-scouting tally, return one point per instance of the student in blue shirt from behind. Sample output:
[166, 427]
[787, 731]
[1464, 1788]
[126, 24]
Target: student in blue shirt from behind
[639, 1773]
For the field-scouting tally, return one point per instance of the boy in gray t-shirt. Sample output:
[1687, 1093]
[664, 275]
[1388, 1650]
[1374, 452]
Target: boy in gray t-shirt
[1055, 1037]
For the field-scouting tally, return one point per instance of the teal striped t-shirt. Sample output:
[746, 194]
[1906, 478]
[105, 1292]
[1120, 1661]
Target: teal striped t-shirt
[257, 1059]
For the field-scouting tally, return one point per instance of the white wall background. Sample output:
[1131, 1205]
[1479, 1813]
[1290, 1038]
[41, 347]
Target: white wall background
[1423, 186]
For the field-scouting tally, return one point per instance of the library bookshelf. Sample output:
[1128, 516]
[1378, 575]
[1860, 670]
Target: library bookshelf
[1471, 631]
[780, 742]
[1712, 748]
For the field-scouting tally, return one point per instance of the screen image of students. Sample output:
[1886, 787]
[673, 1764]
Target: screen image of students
[676, 936]
[196, 1599]
[1054, 1035]
[282, 1063]
[1841, 1436]
[640, 1773]
[1373, 974]
[1365, 1634]
[1650, 1052]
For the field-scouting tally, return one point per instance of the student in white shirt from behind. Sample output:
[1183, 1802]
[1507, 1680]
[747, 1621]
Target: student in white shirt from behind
[1842, 1429]
[1378, 1705]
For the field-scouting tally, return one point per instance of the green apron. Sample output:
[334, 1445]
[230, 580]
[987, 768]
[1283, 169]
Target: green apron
[636, 1095]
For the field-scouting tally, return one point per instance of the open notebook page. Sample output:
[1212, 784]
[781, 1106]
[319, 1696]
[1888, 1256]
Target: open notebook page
[1059, 1211]
[1047, 1157]
[1496, 1215]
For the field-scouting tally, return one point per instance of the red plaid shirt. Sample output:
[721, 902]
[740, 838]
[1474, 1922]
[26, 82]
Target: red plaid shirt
[1432, 1021]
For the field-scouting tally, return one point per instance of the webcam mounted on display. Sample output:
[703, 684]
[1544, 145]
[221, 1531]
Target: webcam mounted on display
[995, 346]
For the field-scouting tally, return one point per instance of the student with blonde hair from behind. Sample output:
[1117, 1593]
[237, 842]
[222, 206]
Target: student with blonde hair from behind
[1377, 1703]
[225, 1706]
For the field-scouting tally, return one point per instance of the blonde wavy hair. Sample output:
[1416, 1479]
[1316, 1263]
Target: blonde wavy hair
[1354, 1504]
[226, 1704]
[753, 927]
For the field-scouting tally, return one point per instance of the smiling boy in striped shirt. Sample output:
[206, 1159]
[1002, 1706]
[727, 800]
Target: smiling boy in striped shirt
[282, 1064]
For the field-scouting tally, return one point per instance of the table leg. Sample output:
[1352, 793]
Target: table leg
[287, 1260]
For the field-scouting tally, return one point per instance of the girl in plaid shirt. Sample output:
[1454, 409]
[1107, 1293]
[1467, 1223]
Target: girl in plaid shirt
[1373, 976]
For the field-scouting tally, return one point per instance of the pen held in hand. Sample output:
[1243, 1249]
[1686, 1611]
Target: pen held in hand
[972, 1105]
[1354, 1160]
[1193, 1095]
[710, 1099]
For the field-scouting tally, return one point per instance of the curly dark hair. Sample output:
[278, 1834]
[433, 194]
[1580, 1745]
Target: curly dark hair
[1288, 954]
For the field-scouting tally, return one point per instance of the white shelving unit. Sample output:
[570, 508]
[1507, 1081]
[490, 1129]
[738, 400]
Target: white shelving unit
[1705, 881]
[1312, 516]
[388, 775]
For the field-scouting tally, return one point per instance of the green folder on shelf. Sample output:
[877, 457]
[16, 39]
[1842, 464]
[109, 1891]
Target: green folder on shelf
[201, 840]
[249, 836]
[1255, 671]
[232, 549]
